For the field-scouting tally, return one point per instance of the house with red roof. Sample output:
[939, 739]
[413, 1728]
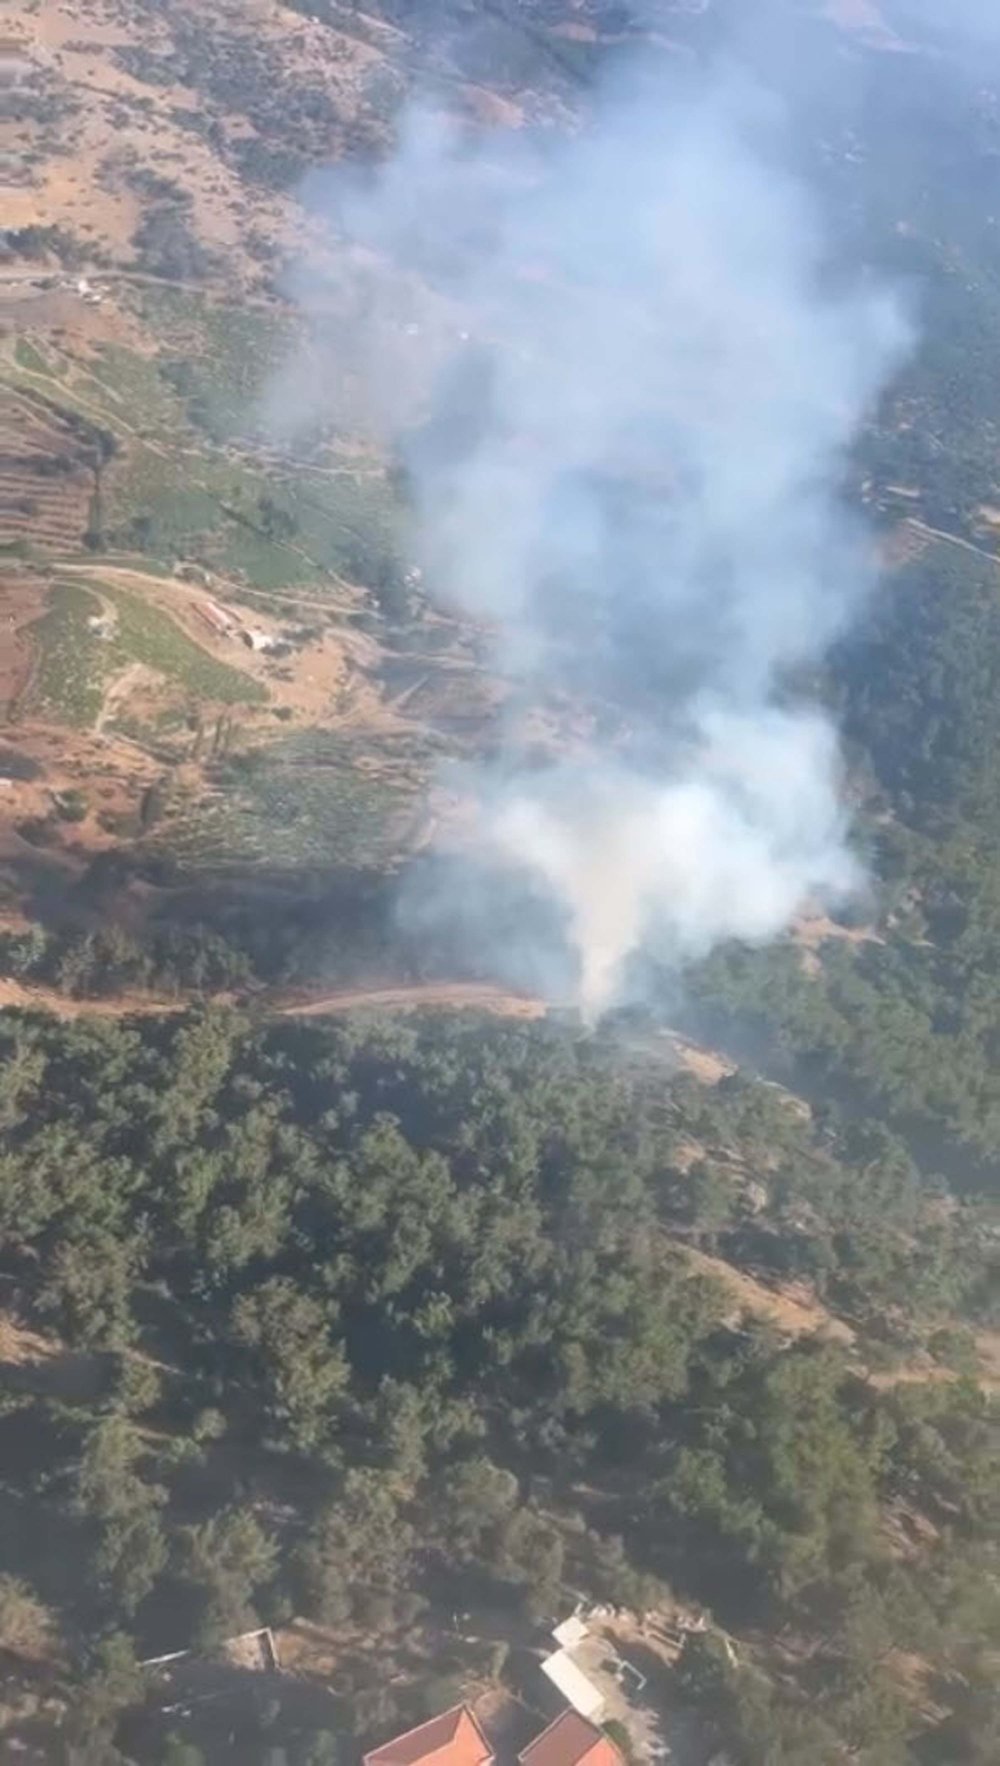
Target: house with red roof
[571, 1740]
[453, 1739]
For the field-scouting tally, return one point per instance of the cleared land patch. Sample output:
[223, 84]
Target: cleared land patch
[72, 664]
[297, 804]
[146, 635]
[88, 635]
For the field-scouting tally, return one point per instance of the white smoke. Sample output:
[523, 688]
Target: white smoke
[626, 450]
[959, 24]
[724, 848]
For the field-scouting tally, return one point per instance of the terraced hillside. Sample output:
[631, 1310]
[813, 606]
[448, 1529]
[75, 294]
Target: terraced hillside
[146, 292]
[50, 468]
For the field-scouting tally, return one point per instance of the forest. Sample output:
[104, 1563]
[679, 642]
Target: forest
[387, 1318]
[908, 1017]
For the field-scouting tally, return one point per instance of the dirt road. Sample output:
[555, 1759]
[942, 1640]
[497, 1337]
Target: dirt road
[449, 995]
[442, 995]
[951, 539]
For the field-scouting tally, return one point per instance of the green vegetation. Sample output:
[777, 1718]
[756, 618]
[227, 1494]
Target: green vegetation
[178, 489]
[399, 1275]
[912, 1023]
[75, 660]
[216, 357]
[28, 356]
[71, 662]
[388, 1323]
[71, 806]
[86, 963]
[131, 386]
[146, 635]
[221, 510]
[118, 388]
[302, 802]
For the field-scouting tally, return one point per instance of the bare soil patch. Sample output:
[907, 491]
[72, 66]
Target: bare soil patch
[119, 690]
[450, 996]
[812, 930]
[793, 1308]
[20, 1346]
[104, 121]
[22, 600]
[112, 772]
[707, 1065]
[46, 999]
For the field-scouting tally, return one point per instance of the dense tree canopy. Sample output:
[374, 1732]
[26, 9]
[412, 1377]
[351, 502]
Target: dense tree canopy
[347, 1294]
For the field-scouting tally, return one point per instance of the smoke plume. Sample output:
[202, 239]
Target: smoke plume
[625, 379]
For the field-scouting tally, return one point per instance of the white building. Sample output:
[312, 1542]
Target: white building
[574, 1685]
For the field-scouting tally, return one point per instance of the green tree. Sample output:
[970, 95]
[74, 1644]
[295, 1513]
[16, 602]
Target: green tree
[26, 1626]
[111, 1681]
[131, 1556]
[478, 1498]
[710, 1199]
[87, 1289]
[303, 1370]
[360, 1544]
[229, 1557]
[177, 1752]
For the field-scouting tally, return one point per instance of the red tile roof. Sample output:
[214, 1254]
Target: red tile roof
[453, 1739]
[571, 1741]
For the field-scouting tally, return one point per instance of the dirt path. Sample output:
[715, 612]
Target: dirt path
[951, 539]
[119, 1005]
[449, 995]
[361, 645]
[442, 995]
[119, 690]
[169, 592]
[792, 1308]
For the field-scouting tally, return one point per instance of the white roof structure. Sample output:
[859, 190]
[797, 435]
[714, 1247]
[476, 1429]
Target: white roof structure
[571, 1632]
[571, 1681]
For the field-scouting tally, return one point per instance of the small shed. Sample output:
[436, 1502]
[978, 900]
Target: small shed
[571, 1632]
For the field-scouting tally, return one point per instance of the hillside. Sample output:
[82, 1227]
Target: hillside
[146, 307]
[141, 492]
[350, 1284]
[471, 1339]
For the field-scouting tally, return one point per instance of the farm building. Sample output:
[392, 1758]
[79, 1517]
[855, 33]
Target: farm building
[257, 639]
[216, 617]
[571, 1632]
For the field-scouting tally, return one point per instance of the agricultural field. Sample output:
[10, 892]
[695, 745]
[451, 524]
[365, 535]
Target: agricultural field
[72, 664]
[144, 634]
[216, 356]
[231, 516]
[48, 465]
[301, 804]
[144, 457]
[91, 634]
[147, 317]
[174, 484]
